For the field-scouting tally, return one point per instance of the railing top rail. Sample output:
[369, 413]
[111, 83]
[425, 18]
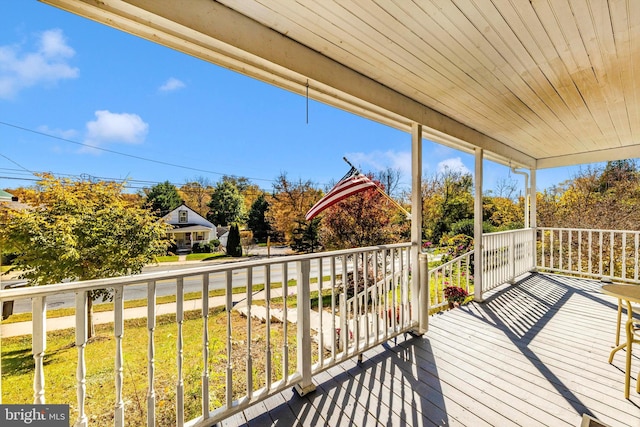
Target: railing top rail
[597, 230]
[57, 288]
[453, 261]
[507, 231]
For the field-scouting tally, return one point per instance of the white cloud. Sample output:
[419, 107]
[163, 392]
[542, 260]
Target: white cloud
[453, 164]
[47, 64]
[171, 85]
[116, 127]
[380, 160]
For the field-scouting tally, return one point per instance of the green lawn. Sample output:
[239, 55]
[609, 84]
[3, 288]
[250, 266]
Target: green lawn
[61, 356]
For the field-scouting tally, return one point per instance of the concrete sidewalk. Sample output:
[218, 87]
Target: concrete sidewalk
[67, 322]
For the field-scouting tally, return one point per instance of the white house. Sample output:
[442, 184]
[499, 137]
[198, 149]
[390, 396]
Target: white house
[189, 227]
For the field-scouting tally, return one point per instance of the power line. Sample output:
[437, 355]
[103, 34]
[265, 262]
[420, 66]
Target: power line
[95, 147]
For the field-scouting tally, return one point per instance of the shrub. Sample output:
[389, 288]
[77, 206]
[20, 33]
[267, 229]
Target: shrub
[234, 248]
[455, 294]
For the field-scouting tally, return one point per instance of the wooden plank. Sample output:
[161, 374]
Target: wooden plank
[533, 354]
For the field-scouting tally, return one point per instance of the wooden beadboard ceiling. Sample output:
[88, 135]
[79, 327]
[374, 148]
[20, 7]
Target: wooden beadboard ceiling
[541, 83]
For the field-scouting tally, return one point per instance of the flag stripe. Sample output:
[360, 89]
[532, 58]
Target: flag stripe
[346, 187]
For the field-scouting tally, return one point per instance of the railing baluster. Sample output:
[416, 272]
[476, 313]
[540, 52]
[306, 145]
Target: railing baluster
[579, 251]
[229, 307]
[334, 343]
[81, 372]
[39, 345]
[285, 325]
[320, 310]
[590, 252]
[267, 278]
[611, 245]
[375, 299]
[624, 255]
[600, 248]
[249, 297]
[206, 401]
[180, 352]
[151, 353]
[118, 332]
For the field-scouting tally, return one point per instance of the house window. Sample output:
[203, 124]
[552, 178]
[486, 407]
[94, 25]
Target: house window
[183, 216]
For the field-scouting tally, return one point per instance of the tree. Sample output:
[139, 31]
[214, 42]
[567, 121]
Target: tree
[83, 230]
[288, 205]
[447, 199]
[389, 179]
[163, 198]
[227, 204]
[234, 245]
[197, 195]
[257, 221]
[363, 219]
[305, 236]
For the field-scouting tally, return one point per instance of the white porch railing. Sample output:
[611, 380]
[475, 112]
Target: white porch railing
[457, 272]
[506, 255]
[590, 253]
[379, 277]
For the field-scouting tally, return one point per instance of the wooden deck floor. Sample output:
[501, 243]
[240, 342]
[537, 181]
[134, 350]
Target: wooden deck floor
[534, 354]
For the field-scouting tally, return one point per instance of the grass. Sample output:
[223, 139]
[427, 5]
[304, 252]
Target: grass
[205, 257]
[60, 363]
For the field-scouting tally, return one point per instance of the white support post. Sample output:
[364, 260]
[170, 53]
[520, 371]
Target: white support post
[180, 352]
[533, 197]
[424, 295]
[477, 235]
[118, 333]
[81, 371]
[39, 345]
[416, 224]
[305, 385]
[151, 353]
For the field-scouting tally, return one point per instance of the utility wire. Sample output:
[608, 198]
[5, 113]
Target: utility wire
[133, 156]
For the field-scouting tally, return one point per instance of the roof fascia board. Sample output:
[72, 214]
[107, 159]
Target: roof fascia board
[621, 153]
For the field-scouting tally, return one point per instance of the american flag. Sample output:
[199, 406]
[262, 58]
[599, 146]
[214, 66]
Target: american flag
[353, 182]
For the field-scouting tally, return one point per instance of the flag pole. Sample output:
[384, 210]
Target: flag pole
[381, 191]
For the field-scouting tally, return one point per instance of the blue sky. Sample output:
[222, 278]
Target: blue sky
[68, 83]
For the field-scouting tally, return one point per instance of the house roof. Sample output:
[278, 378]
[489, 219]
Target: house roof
[534, 83]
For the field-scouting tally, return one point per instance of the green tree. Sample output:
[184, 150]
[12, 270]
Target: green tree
[288, 204]
[447, 199]
[83, 230]
[305, 236]
[227, 204]
[234, 245]
[163, 198]
[257, 221]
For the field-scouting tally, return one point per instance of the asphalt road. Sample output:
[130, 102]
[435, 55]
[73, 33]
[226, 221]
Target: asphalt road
[165, 287]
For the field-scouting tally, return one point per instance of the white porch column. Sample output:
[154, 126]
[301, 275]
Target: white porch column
[533, 222]
[477, 235]
[416, 226]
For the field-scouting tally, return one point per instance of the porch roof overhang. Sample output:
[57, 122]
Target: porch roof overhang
[536, 84]
[190, 229]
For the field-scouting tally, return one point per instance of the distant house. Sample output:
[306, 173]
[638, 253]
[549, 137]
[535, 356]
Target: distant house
[7, 200]
[189, 227]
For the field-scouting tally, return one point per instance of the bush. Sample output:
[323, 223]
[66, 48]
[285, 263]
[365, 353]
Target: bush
[205, 247]
[234, 247]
